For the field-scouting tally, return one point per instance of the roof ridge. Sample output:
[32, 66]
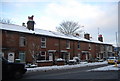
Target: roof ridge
[45, 32]
[11, 24]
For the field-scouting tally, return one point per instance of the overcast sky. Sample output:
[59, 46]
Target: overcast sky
[48, 14]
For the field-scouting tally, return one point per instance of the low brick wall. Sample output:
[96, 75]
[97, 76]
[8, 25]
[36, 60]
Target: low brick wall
[60, 63]
[45, 63]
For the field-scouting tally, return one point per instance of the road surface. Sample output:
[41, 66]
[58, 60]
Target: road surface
[77, 73]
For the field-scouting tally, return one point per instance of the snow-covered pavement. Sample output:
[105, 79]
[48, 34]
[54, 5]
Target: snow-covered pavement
[107, 68]
[46, 68]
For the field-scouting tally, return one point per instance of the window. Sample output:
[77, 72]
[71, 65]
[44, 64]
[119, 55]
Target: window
[78, 44]
[89, 46]
[43, 42]
[22, 42]
[102, 48]
[42, 55]
[110, 47]
[97, 54]
[22, 56]
[67, 44]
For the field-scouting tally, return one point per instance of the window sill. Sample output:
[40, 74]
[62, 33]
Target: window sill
[43, 47]
[67, 48]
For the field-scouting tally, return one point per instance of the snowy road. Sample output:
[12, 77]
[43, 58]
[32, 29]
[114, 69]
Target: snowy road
[82, 64]
[107, 68]
[80, 71]
[47, 68]
[74, 73]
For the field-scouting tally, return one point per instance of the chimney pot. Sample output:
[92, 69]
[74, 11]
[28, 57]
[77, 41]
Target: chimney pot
[23, 24]
[100, 38]
[30, 23]
[87, 36]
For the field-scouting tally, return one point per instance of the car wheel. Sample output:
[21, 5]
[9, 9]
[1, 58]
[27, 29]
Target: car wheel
[17, 75]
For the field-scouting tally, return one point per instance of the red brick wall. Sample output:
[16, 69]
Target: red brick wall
[11, 40]
[93, 50]
[84, 46]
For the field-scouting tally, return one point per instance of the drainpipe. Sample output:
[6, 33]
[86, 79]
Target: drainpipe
[73, 49]
[59, 49]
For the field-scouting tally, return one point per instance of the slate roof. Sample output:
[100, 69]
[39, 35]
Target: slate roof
[17, 28]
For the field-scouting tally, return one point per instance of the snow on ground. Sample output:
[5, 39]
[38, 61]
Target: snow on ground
[107, 68]
[46, 68]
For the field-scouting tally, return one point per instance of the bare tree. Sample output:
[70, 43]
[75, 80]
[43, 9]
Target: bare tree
[6, 21]
[34, 50]
[69, 28]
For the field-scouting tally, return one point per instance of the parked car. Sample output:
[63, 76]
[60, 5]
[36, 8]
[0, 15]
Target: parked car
[71, 62]
[112, 60]
[12, 70]
[75, 60]
[101, 60]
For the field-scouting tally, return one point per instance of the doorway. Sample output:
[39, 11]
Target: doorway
[11, 56]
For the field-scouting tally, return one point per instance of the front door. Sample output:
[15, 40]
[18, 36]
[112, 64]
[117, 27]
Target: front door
[11, 56]
[79, 56]
[51, 56]
[66, 56]
[86, 56]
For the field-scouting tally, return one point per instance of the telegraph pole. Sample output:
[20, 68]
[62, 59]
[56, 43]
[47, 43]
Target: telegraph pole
[117, 49]
[98, 31]
[116, 40]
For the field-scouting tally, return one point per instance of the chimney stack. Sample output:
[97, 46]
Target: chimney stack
[30, 23]
[100, 38]
[87, 36]
[23, 24]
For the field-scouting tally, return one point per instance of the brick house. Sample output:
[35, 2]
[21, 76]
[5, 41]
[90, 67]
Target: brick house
[30, 44]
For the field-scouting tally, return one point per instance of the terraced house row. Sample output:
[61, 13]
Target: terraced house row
[30, 44]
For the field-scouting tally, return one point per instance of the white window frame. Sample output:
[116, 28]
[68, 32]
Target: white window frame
[110, 48]
[43, 55]
[43, 42]
[23, 59]
[67, 44]
[22, 41]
